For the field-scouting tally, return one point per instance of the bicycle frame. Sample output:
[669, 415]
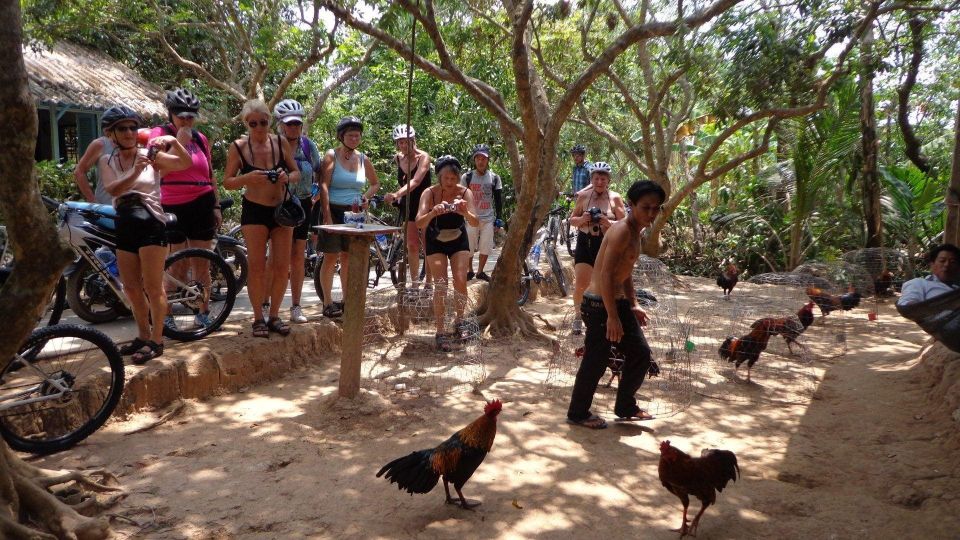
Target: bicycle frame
[17, 400]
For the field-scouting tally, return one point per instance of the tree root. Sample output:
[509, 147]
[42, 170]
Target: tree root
[174, 411]
[29, 510]
[506, 319]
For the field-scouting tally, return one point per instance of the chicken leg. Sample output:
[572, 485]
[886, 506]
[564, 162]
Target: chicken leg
[466, 505]
[696, 520]
[683, 526]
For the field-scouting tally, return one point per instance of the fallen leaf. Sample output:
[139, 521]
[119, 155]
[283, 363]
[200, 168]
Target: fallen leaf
[517, 505]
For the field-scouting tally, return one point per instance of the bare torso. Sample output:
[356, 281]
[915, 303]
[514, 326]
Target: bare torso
[624, 242]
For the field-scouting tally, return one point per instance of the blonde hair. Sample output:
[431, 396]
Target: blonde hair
[253, 106]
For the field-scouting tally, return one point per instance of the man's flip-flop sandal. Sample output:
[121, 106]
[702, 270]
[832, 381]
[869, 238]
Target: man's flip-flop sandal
[639, 416]
[593, 422]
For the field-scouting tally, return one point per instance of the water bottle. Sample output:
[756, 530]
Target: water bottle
[382, 240]
[108, 259]
[535, 255]
[314, 189]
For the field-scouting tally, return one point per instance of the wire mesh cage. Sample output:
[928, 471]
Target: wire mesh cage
[405, 350]
[667, 388]
[888, 267]
[751, 348]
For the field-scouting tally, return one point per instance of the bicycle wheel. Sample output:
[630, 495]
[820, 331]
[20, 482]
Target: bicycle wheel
[557, 270]
[524, 285]
[236, 257]
[62, 386]
[58, 303]
[197, 281]
[571, 239]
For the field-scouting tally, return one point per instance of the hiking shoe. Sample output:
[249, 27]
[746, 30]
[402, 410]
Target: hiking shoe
[577, 328]
[332, 311]
[296, 315]
[482, 276]
[202, 320]
[470, 275]
[169, 322]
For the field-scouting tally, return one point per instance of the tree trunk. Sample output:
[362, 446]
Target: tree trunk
[951, 232]
[27, 509]
[868, 126]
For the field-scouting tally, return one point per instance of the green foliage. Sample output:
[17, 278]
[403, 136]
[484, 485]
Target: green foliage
[56, 180]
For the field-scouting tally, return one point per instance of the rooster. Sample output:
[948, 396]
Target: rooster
[727, 279]
[789, 327]
[701, 477]
[883, 283]
[455, 459]
[748, 348]
[615, 363]
[828, 302]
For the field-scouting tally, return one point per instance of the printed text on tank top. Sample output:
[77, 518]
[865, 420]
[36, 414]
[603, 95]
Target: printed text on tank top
[594, 229]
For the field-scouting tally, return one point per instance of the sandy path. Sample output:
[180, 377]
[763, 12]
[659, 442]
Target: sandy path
[867, 457]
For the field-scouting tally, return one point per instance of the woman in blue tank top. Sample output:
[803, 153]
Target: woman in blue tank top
[343, 174]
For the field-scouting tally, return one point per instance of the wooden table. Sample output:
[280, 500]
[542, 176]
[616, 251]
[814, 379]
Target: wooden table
[354, 299]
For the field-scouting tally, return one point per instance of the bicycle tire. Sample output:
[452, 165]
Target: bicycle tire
[185, 304]
[524, 293]
[101, 390]
[237, 259]
[557, 270]
[85, 281]
[571, 240]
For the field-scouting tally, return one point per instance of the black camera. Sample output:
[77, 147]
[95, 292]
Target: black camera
[595, 214]
[272, 176]
[152, 152]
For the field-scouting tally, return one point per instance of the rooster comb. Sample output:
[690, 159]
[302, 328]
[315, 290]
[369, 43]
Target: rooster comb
[664, 445]
[493, 406]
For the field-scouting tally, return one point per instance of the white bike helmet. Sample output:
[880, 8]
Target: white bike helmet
[403, 131]
[600, 166]
[289, 110]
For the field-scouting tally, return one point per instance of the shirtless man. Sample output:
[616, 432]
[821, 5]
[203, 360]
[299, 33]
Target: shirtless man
[611, 314]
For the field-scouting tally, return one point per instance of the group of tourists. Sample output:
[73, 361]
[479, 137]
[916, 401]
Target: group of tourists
[160, 181]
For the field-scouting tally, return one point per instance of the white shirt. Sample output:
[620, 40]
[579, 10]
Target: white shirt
[920, 289]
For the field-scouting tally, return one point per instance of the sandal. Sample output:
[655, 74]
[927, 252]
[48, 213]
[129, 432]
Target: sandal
[592, 422]
[278, 326]
[331, 311]
[133, 346]
[638, 416]
[149, 351]
[260, 329]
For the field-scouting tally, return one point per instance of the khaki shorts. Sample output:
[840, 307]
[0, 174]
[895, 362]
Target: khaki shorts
[481, 238]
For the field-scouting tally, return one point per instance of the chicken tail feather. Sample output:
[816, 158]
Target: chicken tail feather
[413, 473]
[725, 467]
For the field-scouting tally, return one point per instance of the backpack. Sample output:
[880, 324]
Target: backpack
[198, 140]
[494, 177]
[305, 149]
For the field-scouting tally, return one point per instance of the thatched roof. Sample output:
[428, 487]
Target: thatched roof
[73, 75]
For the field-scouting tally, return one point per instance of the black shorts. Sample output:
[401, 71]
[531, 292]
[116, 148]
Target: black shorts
[302, 231]
[588, 246]
[195, 219]
[316, 216]
[252, 213]
[137, 227]
[414, 206]
[432, 246]
[333, 243]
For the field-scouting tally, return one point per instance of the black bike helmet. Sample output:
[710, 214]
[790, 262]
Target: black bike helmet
[447, 161]
[181, 100]
[578, 149]
[348, 122]
[289, 213]
[119, 113]
[480, 149]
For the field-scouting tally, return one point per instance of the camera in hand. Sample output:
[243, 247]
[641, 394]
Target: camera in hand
[449, 207]
[595, 214]
[272, 176]
[152, 152]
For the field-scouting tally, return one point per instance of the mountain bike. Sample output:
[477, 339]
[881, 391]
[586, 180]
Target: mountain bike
[58, 298]
[568, 233]
[231, 247]
[94, 291]
[62, 385]
[546, 242]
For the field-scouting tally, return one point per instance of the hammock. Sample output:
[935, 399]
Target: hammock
[938, 316]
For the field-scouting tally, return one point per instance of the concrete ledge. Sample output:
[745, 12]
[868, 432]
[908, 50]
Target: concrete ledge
[225, 363]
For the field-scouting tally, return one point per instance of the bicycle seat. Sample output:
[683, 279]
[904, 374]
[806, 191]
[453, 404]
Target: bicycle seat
[226, 203]
[105, 213]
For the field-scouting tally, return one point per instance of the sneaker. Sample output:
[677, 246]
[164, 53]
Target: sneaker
[482, 276]
[202, 320]
[169, 322]
[577, 329]
[470, 275]
[296, 315]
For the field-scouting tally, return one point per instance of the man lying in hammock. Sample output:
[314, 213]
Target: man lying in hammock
[944, 276]
[933, 302]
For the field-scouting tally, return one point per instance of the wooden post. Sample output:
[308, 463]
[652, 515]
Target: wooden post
[951, 232]
[354, 300]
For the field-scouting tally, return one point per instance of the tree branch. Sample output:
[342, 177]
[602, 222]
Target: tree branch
[337, 83]
[912, 145]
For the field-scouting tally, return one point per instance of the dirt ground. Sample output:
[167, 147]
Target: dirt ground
[866, 456]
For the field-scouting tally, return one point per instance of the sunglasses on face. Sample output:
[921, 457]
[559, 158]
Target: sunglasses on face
[294, 124]
[261, 123]
[125, 129]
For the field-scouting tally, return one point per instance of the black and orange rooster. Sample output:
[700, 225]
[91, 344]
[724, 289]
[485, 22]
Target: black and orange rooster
[789, 327]
[727, 279]
[455, 459]
[701, 477]
[748, 348]
[883, 283]
[828, 302]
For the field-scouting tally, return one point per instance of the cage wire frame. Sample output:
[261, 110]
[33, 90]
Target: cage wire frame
[666, 394]
[779, 374]
[827, 336]
[844, 275]
[888, 268]
[401, 355]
